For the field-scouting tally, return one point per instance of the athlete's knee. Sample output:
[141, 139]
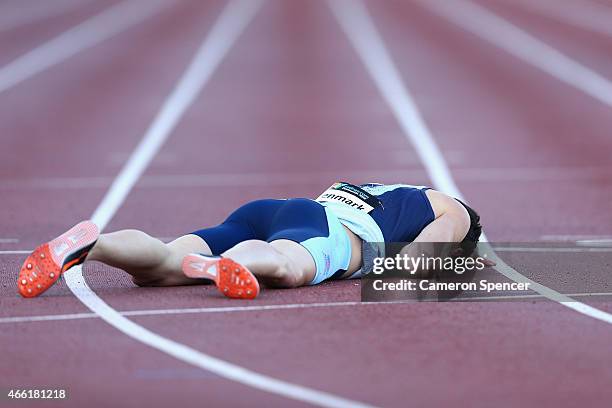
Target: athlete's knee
[161, 269]
[162, 274]
[271, 265]
[287, 274]
[298, 267]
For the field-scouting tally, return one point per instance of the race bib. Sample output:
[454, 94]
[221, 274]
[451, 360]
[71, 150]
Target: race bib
[350, 195]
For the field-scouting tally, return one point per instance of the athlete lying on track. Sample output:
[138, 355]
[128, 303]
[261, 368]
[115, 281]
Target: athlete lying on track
[280, 243]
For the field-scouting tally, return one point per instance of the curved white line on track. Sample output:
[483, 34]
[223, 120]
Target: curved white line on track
[226, 30]
[91, 32]
[191, 356]
[359, 28]
[515, 41]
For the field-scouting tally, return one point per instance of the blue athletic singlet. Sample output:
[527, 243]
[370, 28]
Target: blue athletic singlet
[380, 213]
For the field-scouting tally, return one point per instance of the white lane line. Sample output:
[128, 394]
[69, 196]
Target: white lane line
[359, 28]
[585, 15]
[370, 48]
[226, 30]
[512, 297]
[195, 310]
[522, 45]
[48, 318]
[574, 237]
[91, 32]
[9, 240]
[16, 252]
[552, 249]
[595, 243]
[22, 16]
[262, 308]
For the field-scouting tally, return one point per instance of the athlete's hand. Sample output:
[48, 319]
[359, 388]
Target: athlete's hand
[485, 260]
[489, 262]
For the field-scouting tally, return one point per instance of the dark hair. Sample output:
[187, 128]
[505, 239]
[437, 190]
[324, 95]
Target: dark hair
[468, 245]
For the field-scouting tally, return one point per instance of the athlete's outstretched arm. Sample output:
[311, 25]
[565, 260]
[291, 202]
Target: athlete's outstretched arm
[449, 227]
[451, 222]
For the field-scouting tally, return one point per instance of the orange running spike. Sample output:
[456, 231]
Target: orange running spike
[47, 262]
[232, 279]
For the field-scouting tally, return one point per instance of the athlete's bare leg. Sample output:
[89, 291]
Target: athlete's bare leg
[281, 263]
[150, 261]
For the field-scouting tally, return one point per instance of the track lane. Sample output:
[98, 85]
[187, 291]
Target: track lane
[99, 367]
[274, 136]
[239, 158]
[472, 351]
[555, 196]
[87, 34]
[587, 46]
[112, 102]
[20, 36]
[401, 39]
[533, 136]
[451, 320]
[227, 28]
[40, 119]
[500, 112]
[67, 370]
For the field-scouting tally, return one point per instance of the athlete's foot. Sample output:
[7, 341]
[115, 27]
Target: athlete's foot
[231, 278]
[45, 265]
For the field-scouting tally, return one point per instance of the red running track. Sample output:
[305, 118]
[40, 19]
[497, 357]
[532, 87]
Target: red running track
[289, 111]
